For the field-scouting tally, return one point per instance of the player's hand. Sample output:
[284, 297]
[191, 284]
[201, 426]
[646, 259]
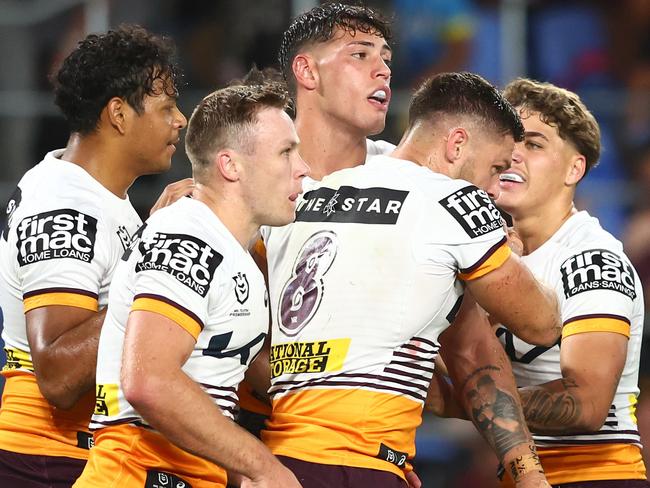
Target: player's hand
[173, 192]
[413, 480]
[514, 241]
[277, 477]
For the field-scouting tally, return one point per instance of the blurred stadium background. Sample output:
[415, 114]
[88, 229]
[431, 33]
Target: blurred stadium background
[598, 48]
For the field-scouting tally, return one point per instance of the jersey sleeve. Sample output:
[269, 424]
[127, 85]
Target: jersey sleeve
[173, 276]
[598, 288]
[62, 258]
[467, 230]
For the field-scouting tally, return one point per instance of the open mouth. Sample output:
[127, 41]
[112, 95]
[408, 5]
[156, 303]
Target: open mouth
[512, 177]
[381, 97]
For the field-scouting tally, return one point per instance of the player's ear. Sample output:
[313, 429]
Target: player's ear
[455, 143]
[226, 163]
[305, 71]
[117, 112]
[576, 170]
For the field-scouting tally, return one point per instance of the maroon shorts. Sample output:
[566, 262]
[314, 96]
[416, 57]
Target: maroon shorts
[31, 471]
[314, 475]
[606, 484]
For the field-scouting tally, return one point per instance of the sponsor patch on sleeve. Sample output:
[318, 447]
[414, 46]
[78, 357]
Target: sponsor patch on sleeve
[473, 210]
[187, 258]
[597, 269]
[63, 233]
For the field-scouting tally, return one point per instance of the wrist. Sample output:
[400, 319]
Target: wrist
[526, 466]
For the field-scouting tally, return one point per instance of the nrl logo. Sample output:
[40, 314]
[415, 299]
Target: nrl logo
[241, 287]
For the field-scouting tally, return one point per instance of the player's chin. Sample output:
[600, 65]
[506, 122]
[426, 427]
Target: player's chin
[377, 127]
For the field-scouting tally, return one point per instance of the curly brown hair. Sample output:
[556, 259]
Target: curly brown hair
[559, 108]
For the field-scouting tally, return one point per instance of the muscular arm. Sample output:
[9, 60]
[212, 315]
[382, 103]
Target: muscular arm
[474, 356]
[63, 343]
[591, 363]
[513, 296]
[155, 349]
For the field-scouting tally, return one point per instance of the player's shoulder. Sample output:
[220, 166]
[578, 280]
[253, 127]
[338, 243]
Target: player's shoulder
[190, 225]
[583, 232]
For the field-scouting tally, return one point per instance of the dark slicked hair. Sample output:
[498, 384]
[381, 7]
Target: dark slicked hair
[562, 109]
[465, 94]
[125, 63]
[226, 117]
[319, 24]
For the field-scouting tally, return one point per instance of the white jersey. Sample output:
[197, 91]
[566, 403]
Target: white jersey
[187, 266]
[64, 237]
[378, 148]
[598, 290]
[362, 284]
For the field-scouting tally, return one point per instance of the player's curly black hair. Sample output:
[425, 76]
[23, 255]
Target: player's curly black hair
[465, 94]
[319, 25]
[125, 63]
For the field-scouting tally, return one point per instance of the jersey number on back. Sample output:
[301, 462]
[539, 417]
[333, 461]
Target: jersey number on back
[302, 294]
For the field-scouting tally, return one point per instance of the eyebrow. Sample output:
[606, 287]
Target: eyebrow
[535, 134]
[384, 47]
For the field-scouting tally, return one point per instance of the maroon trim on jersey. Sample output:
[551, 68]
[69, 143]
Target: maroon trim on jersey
[173, 304]
[74, 291]
[485, 257]
[597, 316]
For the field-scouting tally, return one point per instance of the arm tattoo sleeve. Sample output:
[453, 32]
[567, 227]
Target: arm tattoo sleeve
[552, 407]
[495, 412]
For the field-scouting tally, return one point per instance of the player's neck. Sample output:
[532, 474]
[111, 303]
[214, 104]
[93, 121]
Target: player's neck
[327, 146]
[538, 225]
[101, 161]
[233, 213]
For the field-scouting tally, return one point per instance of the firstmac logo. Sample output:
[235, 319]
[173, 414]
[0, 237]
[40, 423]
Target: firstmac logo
[187, 258]
[64, 233]
[473, 210]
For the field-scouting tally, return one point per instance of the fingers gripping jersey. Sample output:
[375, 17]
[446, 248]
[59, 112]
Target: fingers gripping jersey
[362, 285]
[188, 267]
[598, 290]
[64, 237]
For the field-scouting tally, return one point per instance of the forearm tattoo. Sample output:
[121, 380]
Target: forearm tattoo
[549, 411]
[495, 412]
[525, 464]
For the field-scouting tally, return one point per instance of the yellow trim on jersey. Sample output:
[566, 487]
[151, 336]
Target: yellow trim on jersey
[248, 400]
[633, 399]
[344, 427]
[596, 324]
[259, 248]
[165, 309]
[30, 425]
[123, 453]
[17, 359]
[496, 260]
[60, 298]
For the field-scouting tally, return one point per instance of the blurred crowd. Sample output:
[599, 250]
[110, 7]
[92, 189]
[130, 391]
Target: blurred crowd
[597, 48]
